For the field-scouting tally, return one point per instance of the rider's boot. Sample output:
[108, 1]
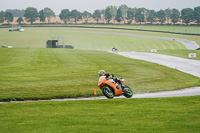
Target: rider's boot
[122, 86]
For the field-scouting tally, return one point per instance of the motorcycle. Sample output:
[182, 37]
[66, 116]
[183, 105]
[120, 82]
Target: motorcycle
[110, 88]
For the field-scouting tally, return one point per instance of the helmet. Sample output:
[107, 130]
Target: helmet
[102, 73]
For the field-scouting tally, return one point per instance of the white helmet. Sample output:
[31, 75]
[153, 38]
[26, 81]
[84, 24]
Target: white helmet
[102, 73]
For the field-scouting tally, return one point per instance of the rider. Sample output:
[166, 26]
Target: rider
[102, 74]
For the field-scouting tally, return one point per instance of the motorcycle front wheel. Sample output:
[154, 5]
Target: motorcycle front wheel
[108, 92]
[127, 91]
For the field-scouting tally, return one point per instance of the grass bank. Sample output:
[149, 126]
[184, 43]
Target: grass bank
[58, 73]
[115, 115]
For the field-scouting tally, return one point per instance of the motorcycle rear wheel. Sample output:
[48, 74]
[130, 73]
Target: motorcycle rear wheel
[108, 92]
[127, 91]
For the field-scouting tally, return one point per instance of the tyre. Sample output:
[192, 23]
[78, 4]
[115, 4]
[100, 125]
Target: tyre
[108, 92]
[127, 91]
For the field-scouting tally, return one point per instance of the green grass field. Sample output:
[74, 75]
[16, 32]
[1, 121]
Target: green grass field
[37, 37]
[57, 73]
[30, 71]
[171, 115]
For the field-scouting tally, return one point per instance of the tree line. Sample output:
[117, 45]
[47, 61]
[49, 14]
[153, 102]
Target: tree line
[116, 14]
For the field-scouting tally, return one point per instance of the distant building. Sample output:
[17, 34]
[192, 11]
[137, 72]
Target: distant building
[54, 44]
[51, 43]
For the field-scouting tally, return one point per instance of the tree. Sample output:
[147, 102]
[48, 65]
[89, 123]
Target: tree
[139, 15]
[161, 16]
[113, 12]
[16, 12]
[76, 15]
[146, 14]
[168, 14]
[124, 9]
[175, 15]
[108, 15]
[48, 13]
[118, 17]
[2, 17]
[197, 14]
[97, 15]
[130, 15]
[8, 17]
[86, 15]
[103, 14]
[65, 15]
[41, 16]
[152, 16]
[31, 14]
[187, 15]
[19, 20]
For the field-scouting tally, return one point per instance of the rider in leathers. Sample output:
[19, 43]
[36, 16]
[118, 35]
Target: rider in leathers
[102, 74]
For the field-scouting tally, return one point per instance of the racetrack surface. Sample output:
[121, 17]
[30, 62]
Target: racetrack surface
[185, 65]
[193, 91]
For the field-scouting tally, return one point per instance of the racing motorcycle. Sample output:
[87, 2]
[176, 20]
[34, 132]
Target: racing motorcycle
[110, 88]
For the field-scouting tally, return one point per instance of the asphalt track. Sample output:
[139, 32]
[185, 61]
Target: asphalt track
[185, 65]
[193, 91]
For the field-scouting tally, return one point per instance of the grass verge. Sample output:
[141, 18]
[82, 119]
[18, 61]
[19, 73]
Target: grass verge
[114, 115]
[181, 53]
